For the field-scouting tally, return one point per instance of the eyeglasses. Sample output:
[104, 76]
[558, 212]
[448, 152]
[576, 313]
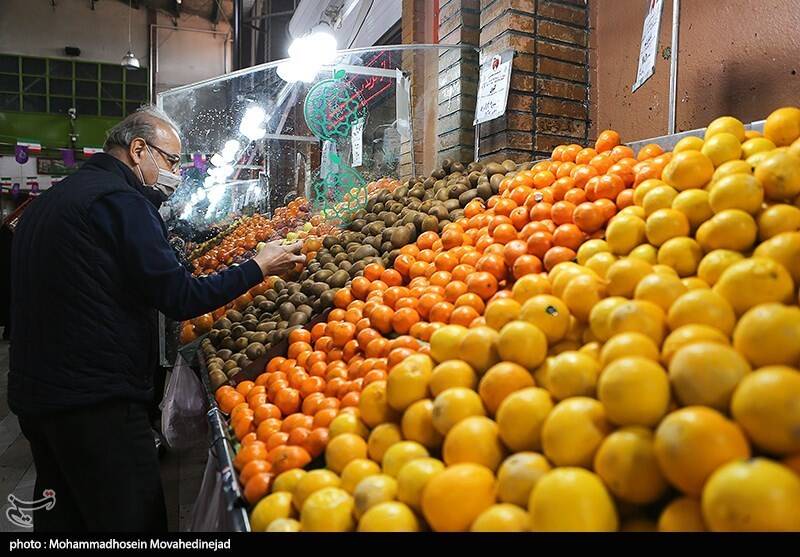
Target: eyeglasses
[172, 159]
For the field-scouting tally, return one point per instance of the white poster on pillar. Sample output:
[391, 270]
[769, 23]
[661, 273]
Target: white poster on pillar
[493, 86]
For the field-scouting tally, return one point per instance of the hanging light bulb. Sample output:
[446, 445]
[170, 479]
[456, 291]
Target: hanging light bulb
[130, 61]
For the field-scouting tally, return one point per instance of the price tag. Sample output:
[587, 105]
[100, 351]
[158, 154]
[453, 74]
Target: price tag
[649, 46]
[357, 140]
[493, 85]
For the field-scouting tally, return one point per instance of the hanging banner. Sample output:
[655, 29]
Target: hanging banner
[493, 86]
[33, 147]
[68, 156]
[89, 151]
[649, 46]
[403, 104]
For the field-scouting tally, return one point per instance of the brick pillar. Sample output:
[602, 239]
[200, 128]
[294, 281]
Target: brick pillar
[548, 100]
[458, 79]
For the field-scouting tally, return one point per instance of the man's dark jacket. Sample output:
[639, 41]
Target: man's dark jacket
[91, 264]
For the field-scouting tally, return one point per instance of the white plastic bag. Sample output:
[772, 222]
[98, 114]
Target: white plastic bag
[183, 408]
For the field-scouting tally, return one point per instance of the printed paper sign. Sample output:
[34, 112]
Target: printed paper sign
[647, 51]
[357, 139]
[493, 85]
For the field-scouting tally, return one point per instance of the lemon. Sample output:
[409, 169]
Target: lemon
[628, 344]
[715, 262]
[389, 516]
[381, 438]
[588, 249]
[682, 254]
[522, 343]
[776, 219]
[638, 316]
[785, 249]
[689, 334]
[706, 374]
[634, 391]
[625, 274]
[624, 233]
[644, 188]
[453, 405]
[479, 347]
[627, 464]
[661, 289]
[571, 500]
[499, 312]
[756, 145]
[779, 173]
[782, 126]
[520, 418]
[665, 224]
[401, 453]
[582, 293]
[729, 168]
[737, 191]
[446, 341]
[572, 373]
[694, 283]
[694, 205]
[599, 317]
[767, 335]
[573, 431]
[549, 314]
[452, 373]
[731, 229]
[413, 477]
[688, 169]
[659, 197]
[726, 124]
[633, 211]
[518, 475]
[688, 143]
[501, 518]
[373, 490]
[645, 252]
[356, 470]
[529, 286]
[754, 281]
[722, 147]
[702, 307]
[328, 510]
[408, 381]
[600, 263]
[271, 507]
[417, 424]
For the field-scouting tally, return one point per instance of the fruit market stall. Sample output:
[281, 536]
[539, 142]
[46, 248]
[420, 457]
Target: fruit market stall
[608, 339]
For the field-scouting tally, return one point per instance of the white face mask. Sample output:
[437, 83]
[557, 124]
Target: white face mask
[166, 182]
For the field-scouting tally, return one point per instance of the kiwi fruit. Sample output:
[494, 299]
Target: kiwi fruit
[234, 372]
[337, 279]
[217, 379]
[254, 351]
[298, 318]
[223, 323]
[430, 223]
[286, 309]
[509, 165]
[233, 315]
[259, 336]
[493, 168]
[326, 298]
[266, 326]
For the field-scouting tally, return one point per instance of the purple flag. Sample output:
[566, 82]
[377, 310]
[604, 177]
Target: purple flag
[68, 155]
[21, 154]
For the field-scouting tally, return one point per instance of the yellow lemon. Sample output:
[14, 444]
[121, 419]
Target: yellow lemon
[659, 197]
[284, 525]
[287, 481]
[661, 289]
[389, 516]
[737, 191]
[381, 438]
[356, 470]
[715, 262]
[785, 249]
[479, 348]
[454, 498]
[624, 233]
[452, 373]
[682, 254]
[765, 405]
[644, 188]
[549, 314]
[475, 439]
[638, 316]
[571, 500]
[500, 312]
[529, 286]
[521, 416]
[588, 249]
[413, 477]
[446, 342]
[627, 464]
[628, 344]
[408, 381]
[374, 406]
[401, 453]
[518, 475]
[343, 449]
[328, 510]
[272, 507]
[777, 219]
[453, 405]
[573, 431]
[756, 145]
[726, 124]
[694, 205]
[782, 126]
[703, 307]
[501, 518]
[348, 423]
[754, 281]
[688, 143]
[634, 391]
[756, 495]
[731, 229]
[644, 252]
[625, 274]
[722, 147]
[683, 514]
[599, 317]
[522, 343]
[779, 173]
[767, 335]
[694, 283]
[706, 374]
[572, 373]
[417, 424]
[373, 490]
[729, 168]
[601, 262]
[689, 334]
[687, 170]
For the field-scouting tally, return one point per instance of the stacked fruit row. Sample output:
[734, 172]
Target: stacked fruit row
[628, 390]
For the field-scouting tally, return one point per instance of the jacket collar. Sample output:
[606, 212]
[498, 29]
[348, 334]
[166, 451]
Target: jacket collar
[109, 163]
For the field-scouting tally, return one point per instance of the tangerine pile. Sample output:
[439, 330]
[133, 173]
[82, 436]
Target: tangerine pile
[652, 384]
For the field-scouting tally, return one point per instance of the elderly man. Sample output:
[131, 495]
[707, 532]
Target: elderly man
[91, 265]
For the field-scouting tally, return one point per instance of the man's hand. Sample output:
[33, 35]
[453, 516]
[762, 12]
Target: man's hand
[277, 258]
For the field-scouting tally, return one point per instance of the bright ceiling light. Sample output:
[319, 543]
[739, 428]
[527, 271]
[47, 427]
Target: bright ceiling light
[216, 160]
[229, 150]
[252, 123]
[307, 54]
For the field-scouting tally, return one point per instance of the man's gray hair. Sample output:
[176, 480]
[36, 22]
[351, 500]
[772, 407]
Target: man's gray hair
[138, 124]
